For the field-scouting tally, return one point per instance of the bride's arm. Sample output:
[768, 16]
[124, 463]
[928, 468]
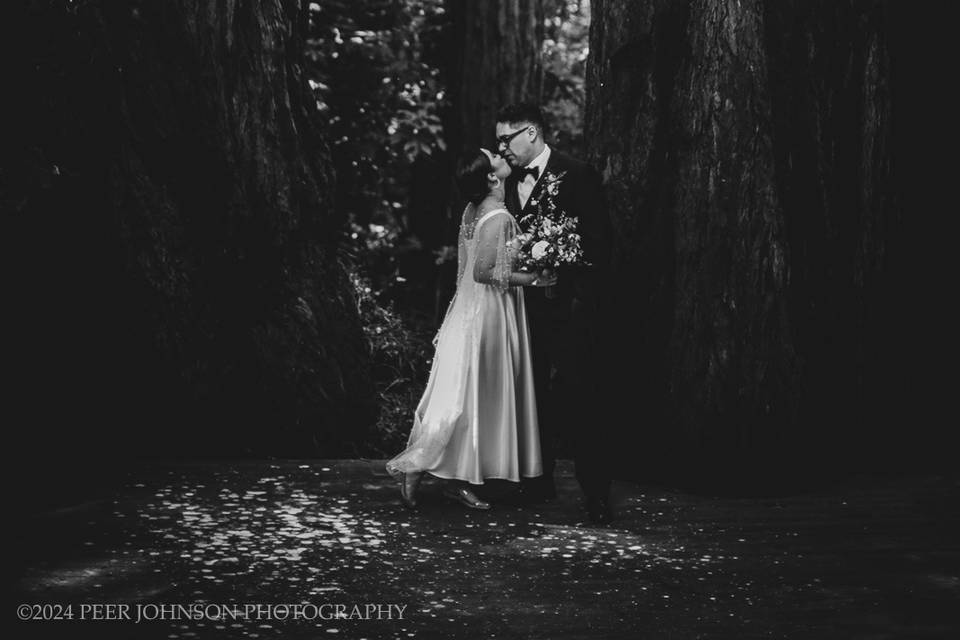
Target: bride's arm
[495, 259]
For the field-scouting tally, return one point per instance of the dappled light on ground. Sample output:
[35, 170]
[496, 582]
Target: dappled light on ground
[335, 533]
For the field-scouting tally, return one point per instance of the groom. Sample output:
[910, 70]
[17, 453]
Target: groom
[563, 326]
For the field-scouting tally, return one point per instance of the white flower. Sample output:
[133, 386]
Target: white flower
[539, 249]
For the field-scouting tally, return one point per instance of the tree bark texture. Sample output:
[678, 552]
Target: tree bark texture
[183, 134]
[746, 150]
[498, 62]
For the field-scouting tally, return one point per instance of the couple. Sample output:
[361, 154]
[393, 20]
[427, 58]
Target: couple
[514, 368]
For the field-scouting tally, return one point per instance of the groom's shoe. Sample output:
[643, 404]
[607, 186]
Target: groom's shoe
[598, 510]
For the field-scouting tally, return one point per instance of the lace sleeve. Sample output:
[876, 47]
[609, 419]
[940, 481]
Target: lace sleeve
[496, 251]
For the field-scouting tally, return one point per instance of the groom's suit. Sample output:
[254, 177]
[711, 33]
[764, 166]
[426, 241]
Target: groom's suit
[564, 332]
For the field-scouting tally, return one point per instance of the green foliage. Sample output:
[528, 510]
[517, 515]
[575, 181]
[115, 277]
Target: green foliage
[367, 64]
[400, 368]
[565, 47]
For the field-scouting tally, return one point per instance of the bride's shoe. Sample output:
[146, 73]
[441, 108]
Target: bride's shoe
[466, 497]
[408, 488]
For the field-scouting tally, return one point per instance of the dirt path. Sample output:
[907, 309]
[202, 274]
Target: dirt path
[873, 558]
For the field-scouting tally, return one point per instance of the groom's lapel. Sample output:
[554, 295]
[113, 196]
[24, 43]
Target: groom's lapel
[551, 167]
[512, 197]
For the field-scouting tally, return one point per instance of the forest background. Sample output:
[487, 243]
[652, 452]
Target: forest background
[229, 227]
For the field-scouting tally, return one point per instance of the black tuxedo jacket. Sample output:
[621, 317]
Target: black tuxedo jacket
[580, 194]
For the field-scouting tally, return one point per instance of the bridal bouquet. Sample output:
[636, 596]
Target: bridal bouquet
[551, 238]
[549, 244]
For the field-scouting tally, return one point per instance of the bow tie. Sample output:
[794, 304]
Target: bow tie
[523, 172]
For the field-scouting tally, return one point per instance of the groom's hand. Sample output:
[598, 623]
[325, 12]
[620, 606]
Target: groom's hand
[546, 278]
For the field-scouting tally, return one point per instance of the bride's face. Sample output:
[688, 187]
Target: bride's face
[500, 167]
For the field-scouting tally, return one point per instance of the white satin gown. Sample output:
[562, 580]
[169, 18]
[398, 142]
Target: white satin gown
[477, 418]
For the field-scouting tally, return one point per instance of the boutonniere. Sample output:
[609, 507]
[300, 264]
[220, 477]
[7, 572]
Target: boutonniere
[545, 204]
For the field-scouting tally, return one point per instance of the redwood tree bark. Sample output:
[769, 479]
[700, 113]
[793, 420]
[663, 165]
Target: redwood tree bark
[181, 145]
[746, 149]
[498, 62]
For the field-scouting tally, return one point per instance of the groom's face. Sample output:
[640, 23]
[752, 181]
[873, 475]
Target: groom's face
[515, 142]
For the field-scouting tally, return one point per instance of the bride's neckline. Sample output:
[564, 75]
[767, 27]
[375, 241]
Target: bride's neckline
[497, 207]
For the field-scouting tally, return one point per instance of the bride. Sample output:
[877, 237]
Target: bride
[477, 418]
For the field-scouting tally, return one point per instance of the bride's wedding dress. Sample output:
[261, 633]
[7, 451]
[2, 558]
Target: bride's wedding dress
[477, 418]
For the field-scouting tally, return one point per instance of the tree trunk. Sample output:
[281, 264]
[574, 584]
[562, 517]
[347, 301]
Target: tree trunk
[832, 109]
[183, 156]
[745, 147]
[498, 63]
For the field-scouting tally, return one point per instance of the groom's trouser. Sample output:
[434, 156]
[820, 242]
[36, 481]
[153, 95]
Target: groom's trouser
[566, 381]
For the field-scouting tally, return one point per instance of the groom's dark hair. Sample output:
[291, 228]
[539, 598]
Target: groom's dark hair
[522, 112]
[472, 173]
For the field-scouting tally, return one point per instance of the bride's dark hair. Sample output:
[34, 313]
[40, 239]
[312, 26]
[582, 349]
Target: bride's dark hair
[472, 173]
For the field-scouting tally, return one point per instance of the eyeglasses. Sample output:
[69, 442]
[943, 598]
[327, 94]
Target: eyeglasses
[507, 138]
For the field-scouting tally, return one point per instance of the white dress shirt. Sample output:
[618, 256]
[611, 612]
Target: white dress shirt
[525, 186]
